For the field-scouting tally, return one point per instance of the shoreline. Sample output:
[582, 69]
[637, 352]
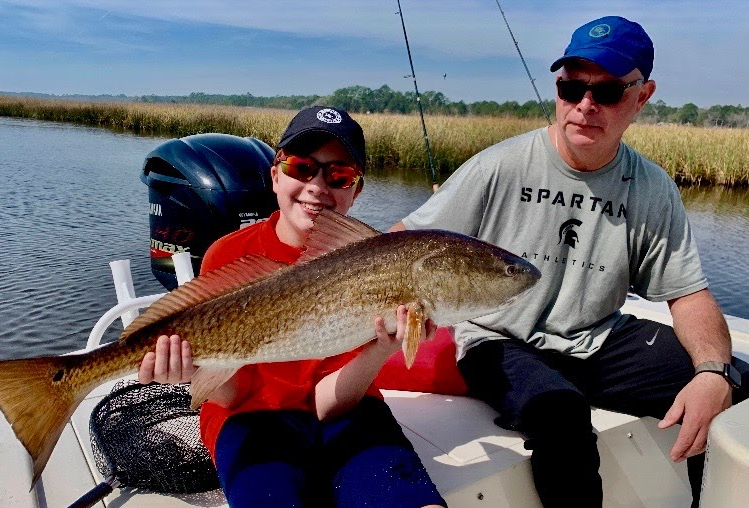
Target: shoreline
[691, 155]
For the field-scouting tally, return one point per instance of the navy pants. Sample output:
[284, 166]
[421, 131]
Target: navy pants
[289, 459]
[547, 396]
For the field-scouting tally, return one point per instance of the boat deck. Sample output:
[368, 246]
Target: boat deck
[473, 462]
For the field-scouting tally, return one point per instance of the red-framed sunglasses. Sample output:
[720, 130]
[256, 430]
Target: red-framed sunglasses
[304, 169]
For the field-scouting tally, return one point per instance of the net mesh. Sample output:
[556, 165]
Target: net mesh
[147, 437]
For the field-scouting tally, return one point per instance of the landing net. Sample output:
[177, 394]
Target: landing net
[147, 436]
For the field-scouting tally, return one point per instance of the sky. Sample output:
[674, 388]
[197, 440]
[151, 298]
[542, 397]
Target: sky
[461, 48]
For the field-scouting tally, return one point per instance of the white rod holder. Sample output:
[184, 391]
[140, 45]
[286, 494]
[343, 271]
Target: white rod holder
[123, 286]
[109, 317]
[127, 304]
[183, 267]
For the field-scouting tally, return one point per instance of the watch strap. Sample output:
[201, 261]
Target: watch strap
[726, 370]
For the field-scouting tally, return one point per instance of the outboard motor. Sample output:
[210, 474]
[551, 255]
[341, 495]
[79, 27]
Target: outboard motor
[202, 187]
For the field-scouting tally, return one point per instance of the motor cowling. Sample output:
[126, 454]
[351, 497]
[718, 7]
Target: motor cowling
[202, 187]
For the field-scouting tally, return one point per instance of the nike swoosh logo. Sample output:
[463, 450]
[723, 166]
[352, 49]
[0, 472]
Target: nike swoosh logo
[625, 178]
[652, 341]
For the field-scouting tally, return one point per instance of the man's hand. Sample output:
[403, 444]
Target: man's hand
[171, 363]
[701, 400]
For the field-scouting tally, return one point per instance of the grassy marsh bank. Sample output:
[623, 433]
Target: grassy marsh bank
[691, 155]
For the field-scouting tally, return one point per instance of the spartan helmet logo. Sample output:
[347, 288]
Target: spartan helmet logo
[567, 234]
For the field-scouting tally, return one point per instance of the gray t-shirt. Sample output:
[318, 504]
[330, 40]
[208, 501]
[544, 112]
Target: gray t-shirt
[593, 235]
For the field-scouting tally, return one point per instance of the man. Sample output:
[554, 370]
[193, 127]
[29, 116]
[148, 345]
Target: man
[597, 219]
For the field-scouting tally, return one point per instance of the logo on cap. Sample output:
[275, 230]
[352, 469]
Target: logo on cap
[329, 116]
[600, 30]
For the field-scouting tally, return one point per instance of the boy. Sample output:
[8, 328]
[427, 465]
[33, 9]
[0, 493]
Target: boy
[310, 432]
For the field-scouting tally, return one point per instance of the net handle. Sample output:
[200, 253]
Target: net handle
[96, 494]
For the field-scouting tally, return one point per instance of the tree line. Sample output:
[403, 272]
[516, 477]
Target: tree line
[691, 114]
[360, 99]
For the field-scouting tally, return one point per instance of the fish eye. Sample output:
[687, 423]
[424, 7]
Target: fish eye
[511, 270]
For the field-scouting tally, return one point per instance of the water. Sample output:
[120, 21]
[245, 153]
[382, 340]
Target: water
[720, 221]
[71, 202]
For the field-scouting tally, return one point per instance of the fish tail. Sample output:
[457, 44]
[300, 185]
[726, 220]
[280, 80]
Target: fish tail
[37, 396]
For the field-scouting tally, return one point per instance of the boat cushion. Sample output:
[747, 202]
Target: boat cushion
[433, 371]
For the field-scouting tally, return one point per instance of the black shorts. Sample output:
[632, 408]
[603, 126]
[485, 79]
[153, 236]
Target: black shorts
[639, 370]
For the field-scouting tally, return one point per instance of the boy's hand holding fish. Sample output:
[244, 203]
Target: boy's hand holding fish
[343, 389]
[171, 362]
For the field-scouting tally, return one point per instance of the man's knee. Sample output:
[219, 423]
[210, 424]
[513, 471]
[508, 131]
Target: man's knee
[556, 414]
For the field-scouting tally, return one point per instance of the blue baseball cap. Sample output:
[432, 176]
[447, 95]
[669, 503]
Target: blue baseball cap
[615, 44]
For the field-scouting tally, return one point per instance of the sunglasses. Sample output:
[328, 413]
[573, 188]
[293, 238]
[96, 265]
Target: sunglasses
[605, 93]
[304, 169]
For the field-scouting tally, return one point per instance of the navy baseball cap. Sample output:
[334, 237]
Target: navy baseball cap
[615, 44]
[335, 122]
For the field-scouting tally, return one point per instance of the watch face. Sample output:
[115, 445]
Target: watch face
[733, 375]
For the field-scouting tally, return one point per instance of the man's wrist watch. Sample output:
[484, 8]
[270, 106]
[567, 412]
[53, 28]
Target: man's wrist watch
[726, 370]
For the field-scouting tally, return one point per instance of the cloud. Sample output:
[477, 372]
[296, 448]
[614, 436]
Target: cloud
[351, 42]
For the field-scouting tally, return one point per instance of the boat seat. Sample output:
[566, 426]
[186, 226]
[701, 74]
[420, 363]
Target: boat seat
[475, 463]
[472, 461]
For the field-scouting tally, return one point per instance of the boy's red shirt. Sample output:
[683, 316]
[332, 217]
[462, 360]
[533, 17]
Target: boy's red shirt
[265, 386]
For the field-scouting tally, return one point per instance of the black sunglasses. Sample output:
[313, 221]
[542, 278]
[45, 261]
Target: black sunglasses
[605, 93]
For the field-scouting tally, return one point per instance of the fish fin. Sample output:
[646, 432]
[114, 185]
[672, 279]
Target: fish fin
[331, 231]
[414, 322]
[37, 397]
[205, 380]
[223, 280]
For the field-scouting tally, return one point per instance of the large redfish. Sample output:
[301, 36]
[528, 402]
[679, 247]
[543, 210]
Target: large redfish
[257, 310]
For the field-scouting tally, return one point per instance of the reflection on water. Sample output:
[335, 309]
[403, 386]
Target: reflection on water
[720, 221]
[71, 202]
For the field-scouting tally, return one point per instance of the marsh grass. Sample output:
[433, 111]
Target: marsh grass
[695, 155]
[691, 155]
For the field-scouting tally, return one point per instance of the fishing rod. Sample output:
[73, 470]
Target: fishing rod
[435, 185]
[517, 46]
